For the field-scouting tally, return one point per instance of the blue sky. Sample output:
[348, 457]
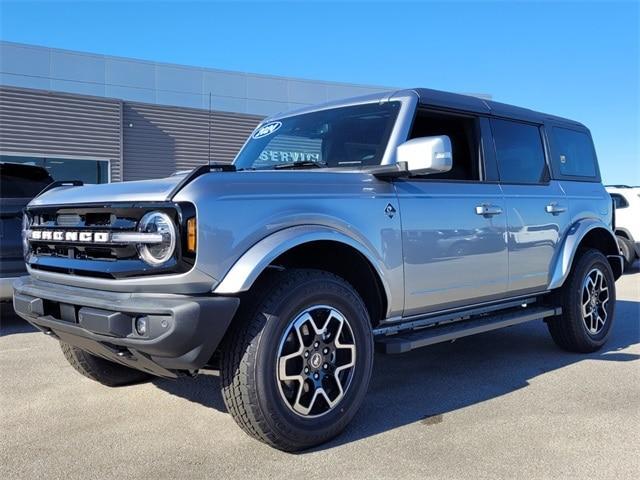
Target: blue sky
[574, 59]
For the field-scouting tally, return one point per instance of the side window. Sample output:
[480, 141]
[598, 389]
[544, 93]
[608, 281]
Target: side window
[462, 131]
[573, 153]
[619, 201]
[519, 152]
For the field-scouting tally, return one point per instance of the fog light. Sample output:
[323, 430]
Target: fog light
[141, 325]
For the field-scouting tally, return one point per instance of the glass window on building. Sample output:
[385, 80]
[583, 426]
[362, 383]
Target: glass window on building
[89, 171]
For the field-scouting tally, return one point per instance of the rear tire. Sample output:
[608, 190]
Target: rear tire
[297, 363]
[627, 252]
[100, 370]
[588, 299]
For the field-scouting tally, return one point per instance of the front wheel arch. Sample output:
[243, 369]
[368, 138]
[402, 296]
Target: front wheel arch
[308, 246]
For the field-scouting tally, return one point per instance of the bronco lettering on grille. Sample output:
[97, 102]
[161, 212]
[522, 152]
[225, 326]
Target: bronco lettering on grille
[69, 236]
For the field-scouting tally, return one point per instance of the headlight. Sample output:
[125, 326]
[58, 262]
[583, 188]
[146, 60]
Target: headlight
[157, 253]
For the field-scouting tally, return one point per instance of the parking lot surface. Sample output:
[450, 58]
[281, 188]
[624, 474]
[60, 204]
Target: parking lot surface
[504, 404]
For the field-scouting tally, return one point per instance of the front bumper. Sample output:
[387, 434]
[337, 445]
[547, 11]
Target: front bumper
[182, 334]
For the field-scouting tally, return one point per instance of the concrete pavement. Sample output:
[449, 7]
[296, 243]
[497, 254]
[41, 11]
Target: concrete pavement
[505, 404]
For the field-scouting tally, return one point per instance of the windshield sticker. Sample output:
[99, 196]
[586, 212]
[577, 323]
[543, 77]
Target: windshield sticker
[267, 129]
[279, 156]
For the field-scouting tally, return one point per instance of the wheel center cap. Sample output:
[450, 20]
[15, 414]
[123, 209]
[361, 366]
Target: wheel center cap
[316, 360]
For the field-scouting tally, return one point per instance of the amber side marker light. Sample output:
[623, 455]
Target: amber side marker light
[191, 235]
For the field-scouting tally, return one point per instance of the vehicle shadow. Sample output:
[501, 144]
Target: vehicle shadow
[203, 389]
[11, 323]
[426, 384]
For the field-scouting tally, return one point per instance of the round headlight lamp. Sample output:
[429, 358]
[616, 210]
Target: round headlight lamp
[157, 253]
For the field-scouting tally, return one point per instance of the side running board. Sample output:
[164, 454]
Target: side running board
[407, 341]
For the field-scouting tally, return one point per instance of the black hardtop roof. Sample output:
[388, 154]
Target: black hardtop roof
[469, 103]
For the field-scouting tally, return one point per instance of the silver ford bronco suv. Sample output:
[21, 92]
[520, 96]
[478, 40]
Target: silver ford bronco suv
[396, 220]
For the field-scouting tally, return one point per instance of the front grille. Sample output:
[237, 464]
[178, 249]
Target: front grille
[68, 219]
[92, 259]
[102, 219]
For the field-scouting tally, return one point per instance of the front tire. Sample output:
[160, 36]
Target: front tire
[100, 370]
[297, 364]
[588, 299]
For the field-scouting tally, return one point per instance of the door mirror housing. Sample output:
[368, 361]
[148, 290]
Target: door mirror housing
[426, 155]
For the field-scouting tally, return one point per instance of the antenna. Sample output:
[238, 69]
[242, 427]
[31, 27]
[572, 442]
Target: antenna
[209, 156]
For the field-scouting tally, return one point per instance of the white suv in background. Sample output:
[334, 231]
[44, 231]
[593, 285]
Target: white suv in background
[627, 201]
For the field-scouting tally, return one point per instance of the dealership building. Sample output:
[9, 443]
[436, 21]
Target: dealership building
[99, 118]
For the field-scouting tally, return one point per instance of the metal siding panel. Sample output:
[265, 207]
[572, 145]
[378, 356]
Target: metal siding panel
[48, 123]
[159, 140]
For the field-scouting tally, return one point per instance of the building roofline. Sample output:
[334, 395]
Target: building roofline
[191, 67]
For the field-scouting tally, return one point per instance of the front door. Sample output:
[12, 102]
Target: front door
[454, 247]
[454, 223]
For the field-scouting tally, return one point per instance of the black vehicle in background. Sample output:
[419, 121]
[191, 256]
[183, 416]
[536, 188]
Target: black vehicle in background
[19, 183]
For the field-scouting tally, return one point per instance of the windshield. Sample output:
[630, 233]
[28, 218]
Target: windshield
[341, 137]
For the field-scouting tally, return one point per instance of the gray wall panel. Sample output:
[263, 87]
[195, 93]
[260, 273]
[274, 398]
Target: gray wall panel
[24, 60]
[80, 68]
[162, 83]
[157, 140]
[56, 124]
[130, 73]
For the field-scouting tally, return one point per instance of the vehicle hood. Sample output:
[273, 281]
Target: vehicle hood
[257, 186]
[138, 191]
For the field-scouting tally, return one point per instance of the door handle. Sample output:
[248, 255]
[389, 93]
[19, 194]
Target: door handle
[554, 209]
[488, 210]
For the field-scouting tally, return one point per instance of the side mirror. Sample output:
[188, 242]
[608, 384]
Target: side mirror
[426, 155]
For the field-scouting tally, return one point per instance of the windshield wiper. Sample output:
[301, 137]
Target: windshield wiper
[304, 164]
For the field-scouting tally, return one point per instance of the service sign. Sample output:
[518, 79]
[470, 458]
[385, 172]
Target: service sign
[286, 156]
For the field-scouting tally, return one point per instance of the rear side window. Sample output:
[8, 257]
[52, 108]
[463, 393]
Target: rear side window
[574, 153]
[519, 152]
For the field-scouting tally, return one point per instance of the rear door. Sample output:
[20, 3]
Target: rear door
[537, 210]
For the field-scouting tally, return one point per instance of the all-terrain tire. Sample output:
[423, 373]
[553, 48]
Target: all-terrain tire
[627, 252]
[251, 386]
[570, 330]
[100, 370]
